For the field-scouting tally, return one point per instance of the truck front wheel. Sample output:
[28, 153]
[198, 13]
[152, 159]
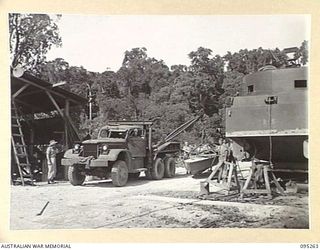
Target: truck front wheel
[75, 176]
[169, 167]
[119, 173]
[157, 171]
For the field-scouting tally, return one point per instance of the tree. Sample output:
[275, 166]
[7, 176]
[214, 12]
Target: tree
[53, 71]
[249, 61]
[31, 36]
[77, 79]
[107, 85]
[303, 53]
[208, 74]
[141, 75]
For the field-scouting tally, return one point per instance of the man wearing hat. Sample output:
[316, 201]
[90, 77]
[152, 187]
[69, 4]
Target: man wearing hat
[51, 160]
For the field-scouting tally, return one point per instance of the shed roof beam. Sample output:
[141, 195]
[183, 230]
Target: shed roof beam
[48, 90]
[19, 91]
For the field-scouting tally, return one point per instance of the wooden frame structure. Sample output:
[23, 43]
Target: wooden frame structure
[31, 95]
[34, 95]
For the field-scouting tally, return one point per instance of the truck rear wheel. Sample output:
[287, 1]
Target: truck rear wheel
[157, 171]
[75, 177]
[169, 167]
[119, 173]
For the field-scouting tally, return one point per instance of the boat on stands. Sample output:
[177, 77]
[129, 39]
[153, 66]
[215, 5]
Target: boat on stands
[269, 118]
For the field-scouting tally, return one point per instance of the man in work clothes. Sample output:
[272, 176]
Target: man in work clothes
[223, 152]
[51, 160]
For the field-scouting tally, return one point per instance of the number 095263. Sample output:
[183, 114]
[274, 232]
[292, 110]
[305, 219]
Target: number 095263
[309, 246]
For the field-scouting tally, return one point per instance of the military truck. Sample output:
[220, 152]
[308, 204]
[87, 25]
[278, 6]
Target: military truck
[122, 150]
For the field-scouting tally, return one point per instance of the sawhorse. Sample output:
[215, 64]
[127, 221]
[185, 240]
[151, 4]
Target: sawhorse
[259, 177]
[227, 178]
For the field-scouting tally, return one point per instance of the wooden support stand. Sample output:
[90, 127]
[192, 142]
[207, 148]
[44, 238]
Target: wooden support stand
[259, 181]
[227, 179]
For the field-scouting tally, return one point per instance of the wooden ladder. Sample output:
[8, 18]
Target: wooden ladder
[19, 147]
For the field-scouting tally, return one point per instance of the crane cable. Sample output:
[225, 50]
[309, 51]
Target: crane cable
[270, 138]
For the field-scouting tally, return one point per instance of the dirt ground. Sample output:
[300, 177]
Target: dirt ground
[167, 203]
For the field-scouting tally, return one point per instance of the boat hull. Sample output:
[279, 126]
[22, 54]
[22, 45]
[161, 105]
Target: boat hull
[269, 120]
[199, 164]
[287, 152]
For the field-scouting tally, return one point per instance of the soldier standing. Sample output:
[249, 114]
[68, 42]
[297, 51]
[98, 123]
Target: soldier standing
[51, 160]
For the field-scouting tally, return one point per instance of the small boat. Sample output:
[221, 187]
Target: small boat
[199, 163]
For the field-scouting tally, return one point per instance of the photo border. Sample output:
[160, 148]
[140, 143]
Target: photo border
[162, 7]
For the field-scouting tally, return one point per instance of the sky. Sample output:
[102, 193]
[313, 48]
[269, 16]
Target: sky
[98, 43]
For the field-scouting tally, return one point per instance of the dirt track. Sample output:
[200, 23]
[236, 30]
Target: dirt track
[148, 204]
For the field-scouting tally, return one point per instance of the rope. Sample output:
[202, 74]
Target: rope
[270, 138]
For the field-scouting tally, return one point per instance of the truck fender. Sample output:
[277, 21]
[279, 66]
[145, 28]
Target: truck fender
[120, 154]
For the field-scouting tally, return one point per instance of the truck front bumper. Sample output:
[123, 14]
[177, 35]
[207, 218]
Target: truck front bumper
[87, 162]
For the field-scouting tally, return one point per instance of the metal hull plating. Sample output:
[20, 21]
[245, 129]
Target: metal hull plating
[270, 118]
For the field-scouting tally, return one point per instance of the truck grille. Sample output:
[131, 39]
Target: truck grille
[90, 150]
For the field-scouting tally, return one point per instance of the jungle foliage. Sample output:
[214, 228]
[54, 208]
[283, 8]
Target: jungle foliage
[145, 88]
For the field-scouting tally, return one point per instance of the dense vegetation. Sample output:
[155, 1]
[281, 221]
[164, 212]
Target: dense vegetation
[146, 88]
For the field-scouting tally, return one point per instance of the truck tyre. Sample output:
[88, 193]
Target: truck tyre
[75, 177]
[134, 176]
[169, 167]
[157, 171]
[119, 173]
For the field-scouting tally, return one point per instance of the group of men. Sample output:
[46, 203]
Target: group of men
[223, 149]
[225, 152]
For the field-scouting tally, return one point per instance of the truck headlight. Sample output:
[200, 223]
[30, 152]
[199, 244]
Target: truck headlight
[76, 148]
[104, 148]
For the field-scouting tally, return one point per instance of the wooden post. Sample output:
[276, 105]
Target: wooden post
[55, 104]
[32, 134]
[73, 127]
[65, 118]
[277, 184]
[229, 182]
[66, 129]
[266, 180]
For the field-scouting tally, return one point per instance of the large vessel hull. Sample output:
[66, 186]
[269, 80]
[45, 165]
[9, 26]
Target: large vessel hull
[287, 152]
[269, 121]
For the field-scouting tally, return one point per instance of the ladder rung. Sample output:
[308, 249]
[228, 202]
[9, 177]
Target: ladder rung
[25, 164]
[14, 117]
[15, 125]
[20, 146]
[21, 155]
[27, 178]
[17, 135]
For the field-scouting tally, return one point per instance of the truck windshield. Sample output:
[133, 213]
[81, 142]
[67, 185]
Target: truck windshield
[118, 134]
[106, 133]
